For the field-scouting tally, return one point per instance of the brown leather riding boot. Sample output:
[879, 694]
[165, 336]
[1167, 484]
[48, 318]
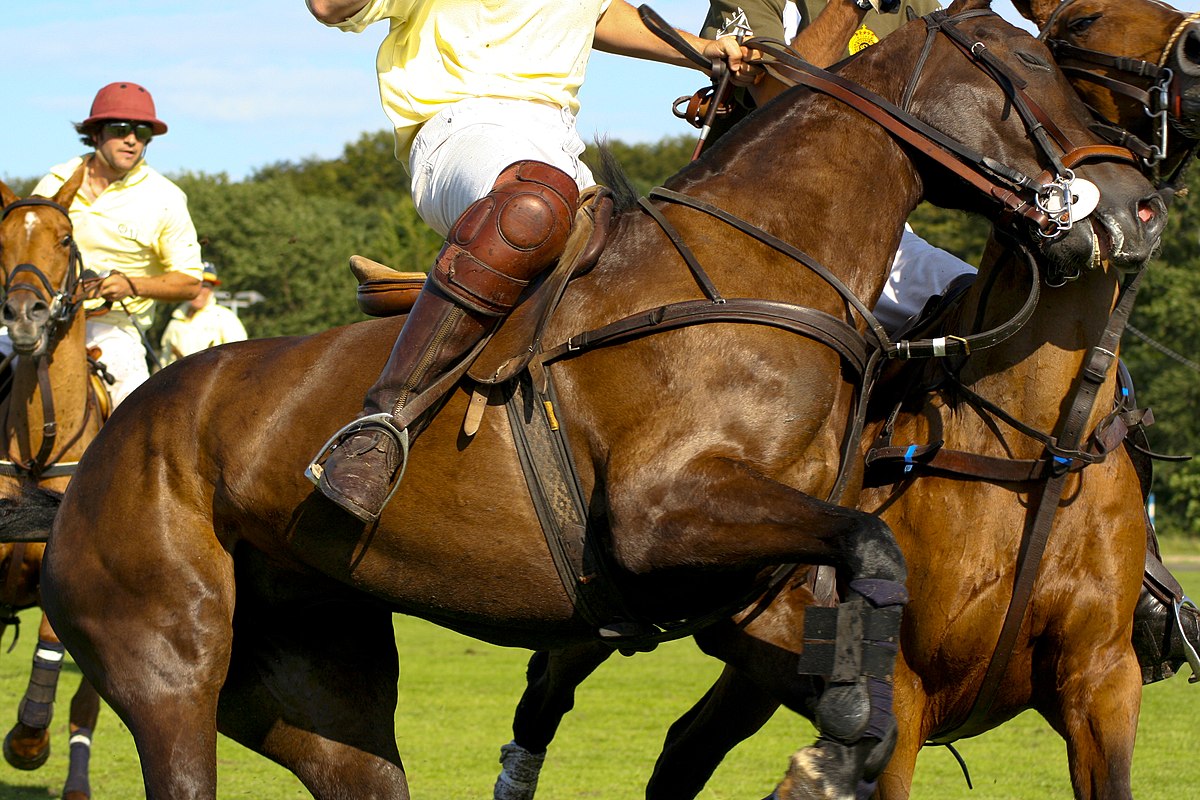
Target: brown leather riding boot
[499, 244]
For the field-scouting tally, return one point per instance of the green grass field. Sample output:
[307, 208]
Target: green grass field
[456, 702]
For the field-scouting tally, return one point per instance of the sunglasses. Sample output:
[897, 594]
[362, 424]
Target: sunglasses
[120, 130]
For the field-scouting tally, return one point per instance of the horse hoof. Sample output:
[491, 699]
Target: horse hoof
[814, 775]
[21, 760]
[76, 796]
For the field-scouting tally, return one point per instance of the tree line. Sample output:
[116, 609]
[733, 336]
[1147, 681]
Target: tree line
[288, 229]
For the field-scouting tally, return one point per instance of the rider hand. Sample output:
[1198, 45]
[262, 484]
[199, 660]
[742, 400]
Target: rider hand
[736, 55]
[116, 286]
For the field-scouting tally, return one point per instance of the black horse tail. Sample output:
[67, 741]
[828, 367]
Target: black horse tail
[28, 516]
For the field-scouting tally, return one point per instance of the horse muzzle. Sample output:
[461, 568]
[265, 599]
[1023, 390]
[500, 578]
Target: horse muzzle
[27, 318]
[1121, 236]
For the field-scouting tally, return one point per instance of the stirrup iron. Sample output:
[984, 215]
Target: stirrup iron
[381, 421]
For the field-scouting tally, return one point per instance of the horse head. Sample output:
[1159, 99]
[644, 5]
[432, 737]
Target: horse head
[1136, 63]
[985, 69]
[41, 267]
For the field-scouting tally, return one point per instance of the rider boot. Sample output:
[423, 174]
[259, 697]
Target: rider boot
[1165, 637]
[494, 250]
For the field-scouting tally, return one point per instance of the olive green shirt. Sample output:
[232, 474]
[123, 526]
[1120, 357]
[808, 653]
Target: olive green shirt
[767, 18]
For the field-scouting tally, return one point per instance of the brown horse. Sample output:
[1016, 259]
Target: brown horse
[1090, 36]
[202, 585]
[51, 414]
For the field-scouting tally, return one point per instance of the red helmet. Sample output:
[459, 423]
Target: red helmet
[125, 101]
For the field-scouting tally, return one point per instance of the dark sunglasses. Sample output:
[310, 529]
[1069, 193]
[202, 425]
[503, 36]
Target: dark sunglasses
[120, 130]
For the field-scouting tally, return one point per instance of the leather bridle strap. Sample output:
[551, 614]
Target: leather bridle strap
[924, 348]
[1092, 375]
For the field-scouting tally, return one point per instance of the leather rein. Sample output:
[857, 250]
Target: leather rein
[64, 303]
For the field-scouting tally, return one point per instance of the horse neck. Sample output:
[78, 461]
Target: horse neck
[1033, 375]
[68, 376]
[821, 177]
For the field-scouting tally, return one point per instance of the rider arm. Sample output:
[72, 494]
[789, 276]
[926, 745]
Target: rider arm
[621, 31]
[171, 286]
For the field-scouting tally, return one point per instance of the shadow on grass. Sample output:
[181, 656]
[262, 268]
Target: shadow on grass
[10, 792]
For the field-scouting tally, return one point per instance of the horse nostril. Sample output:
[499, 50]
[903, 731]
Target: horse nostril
[8, 314]
[1152, 214]
[39, 312]
[1187, 52]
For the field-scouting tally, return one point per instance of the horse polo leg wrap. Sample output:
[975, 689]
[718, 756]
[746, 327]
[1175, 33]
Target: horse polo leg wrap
[77, 771]
[519, 772]
[37, 707]
[857, 640]
[506, 239]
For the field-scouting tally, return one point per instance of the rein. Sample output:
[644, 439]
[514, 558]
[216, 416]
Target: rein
[64, 303]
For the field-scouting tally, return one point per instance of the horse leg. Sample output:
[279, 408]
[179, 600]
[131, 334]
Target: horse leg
[895, 782]
[312, 686]
[85, 710]
[1097, 714]
[551, 680]
[27, 745]
[724, 513]
[160, 676]
[733, 710]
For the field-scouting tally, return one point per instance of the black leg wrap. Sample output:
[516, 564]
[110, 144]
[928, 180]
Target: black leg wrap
[37, 707]
[77, 772]
[855, 645]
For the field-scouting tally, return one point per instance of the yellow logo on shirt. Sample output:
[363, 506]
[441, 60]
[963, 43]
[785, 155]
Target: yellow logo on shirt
[863, 38]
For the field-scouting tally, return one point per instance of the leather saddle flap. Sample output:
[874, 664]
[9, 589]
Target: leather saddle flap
[384, 292]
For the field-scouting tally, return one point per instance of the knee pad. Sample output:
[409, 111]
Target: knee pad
[506, 239]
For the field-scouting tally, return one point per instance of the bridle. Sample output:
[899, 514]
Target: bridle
[1161, 98]
[1043, 200]
[63, 303]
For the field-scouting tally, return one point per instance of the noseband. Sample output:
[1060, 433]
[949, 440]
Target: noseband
[1162, 99]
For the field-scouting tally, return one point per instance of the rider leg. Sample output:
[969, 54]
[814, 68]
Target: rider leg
[499, 244]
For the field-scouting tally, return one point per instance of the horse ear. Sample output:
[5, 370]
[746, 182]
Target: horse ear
[1036, 11]
[7, 196]
[66, 192]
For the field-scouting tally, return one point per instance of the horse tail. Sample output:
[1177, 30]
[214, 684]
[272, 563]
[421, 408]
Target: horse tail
[28, 516]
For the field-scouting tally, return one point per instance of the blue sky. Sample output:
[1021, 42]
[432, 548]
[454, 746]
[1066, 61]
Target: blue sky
[249, 83]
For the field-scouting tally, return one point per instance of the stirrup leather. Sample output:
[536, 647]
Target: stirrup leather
[381, 421]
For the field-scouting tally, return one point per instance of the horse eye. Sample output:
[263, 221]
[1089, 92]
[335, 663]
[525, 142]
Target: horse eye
[1078, 26]
[1033, 60]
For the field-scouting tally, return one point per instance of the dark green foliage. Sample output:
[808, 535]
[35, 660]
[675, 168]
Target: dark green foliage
[1165, 369]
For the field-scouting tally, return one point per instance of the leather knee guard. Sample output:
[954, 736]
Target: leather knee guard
[504, 240]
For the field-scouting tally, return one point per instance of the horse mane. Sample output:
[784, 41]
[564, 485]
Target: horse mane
[610, 173]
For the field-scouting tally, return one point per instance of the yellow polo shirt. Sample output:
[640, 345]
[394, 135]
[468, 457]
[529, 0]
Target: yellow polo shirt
[438, 52]
[139, 225]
